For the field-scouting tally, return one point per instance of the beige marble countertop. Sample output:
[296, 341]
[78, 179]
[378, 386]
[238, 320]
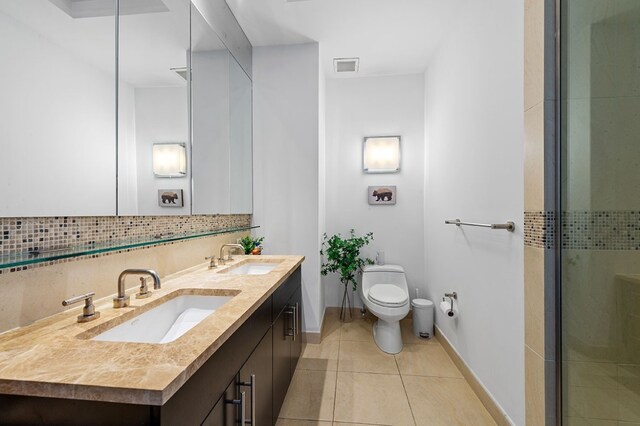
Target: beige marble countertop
[54, 357]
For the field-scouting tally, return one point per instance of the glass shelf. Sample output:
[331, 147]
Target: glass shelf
[30, 258]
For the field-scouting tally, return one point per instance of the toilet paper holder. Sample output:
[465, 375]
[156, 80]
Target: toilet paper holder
[451, 297]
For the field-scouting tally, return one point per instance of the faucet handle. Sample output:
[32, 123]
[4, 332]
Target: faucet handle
[89, 311]
[212, 261]
[144, 290]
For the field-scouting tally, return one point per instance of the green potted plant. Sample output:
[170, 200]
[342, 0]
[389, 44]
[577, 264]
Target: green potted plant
[252, 245]
[343, 257]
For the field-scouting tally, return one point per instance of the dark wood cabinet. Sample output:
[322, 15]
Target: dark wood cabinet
[281, 361]
[256, 378]
[225, 412]
[266, 346]
[296, 342]
[287, 341]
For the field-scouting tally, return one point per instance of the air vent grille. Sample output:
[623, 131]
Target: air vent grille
[346, 64]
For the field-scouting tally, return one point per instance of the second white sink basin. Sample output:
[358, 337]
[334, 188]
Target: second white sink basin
[252, 269]
[166, 322]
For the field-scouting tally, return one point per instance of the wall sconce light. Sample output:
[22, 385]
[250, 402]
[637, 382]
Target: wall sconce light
[169, 159]
[381, 154]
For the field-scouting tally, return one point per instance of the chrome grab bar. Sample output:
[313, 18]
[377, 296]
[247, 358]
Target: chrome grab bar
[509, 226]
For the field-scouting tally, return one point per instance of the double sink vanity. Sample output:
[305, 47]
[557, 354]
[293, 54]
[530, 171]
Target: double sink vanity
[211, 346]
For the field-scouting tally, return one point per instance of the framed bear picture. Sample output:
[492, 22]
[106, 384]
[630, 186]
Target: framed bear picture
[382, 195]
[170, 198]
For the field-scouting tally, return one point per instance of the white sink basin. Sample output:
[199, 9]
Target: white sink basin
[252, 269]
[166, 322]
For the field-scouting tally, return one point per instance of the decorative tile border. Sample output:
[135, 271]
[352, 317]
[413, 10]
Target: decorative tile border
[22, 235]
[539, 229]
[583, 230]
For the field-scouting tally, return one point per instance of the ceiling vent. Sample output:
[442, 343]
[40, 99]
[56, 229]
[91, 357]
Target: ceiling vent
[345, 64]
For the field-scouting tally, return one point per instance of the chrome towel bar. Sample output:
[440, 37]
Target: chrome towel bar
[509, 226]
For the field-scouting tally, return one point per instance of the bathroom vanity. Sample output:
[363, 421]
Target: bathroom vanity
[236, 364]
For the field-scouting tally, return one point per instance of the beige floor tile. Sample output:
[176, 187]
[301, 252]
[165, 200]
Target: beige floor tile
[332, 326]
[354, 424]
[310, 396]
[371, 398]
[365, 357]
[358, 330]
[323, 357]
[577, 421]
[406, 327]
[445, 401]
[426, 360]
[594, 403]
[291, 422]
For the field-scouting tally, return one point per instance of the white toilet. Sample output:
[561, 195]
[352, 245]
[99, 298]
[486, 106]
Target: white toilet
[385, 293]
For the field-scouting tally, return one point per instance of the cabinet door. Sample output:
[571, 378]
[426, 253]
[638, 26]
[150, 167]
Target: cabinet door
[225, 412]
[281, 359]
[256, 378]
[296, 341]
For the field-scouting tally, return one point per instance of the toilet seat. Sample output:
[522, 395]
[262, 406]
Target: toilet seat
[387, 295]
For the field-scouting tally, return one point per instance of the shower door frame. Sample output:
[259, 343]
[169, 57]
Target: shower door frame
[557, 18]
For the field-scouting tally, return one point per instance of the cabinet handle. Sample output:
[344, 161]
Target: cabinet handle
[290, 331]
[252, 385]
[242, 403]
[243, 411]
[297, 323]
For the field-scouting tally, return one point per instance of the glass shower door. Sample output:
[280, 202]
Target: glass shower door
[600, 211]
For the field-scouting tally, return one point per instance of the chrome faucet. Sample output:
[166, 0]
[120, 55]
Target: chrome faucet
[122, 299]
[89, 312]
[230, 246]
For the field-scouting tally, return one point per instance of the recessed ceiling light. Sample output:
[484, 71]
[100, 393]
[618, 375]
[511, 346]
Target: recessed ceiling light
[346, 64]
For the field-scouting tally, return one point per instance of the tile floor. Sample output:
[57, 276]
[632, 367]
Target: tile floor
[347, 380]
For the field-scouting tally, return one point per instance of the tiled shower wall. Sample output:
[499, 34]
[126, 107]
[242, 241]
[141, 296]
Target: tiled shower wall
[539, 121]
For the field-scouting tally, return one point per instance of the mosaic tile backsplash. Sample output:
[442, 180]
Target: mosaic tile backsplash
[584, 230]
[41, 234]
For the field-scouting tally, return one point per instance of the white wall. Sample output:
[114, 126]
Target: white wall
[474, 98]
[57, 128]
[286, 145]
[375, 106]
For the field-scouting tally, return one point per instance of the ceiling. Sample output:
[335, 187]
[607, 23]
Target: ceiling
[389, 36]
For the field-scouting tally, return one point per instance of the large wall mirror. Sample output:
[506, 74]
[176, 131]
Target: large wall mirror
[221, 125]
[57, 109]
[153, 109]
[184, 134]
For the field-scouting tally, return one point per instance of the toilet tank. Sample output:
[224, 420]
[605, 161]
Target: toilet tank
[383, 274]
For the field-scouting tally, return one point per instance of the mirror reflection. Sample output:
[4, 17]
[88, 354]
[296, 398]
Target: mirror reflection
[57, 109]
[92, 133]
[221, 123]
[153, 109]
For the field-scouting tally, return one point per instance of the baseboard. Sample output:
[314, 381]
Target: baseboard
[312, 338]
[494, 409]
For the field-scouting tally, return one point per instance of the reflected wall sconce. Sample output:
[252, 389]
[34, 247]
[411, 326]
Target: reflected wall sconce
[169, 159]
[381, 154]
